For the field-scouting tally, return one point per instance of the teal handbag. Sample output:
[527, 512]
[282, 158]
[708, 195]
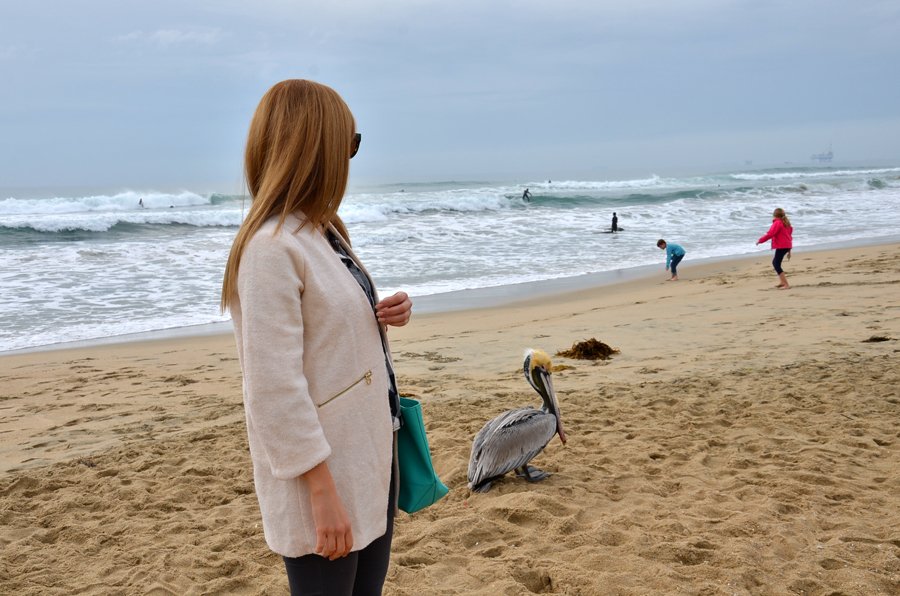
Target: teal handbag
[419, 484]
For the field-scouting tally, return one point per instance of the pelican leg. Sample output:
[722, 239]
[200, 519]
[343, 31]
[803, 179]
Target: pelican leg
[484, 486]
[532, 474]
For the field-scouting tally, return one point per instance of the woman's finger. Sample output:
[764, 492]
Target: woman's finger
[340, 548]
[326, 540]
[397, 320]
[395, 310]
[393, 300]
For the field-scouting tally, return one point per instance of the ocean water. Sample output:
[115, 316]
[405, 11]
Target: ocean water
[85, 267]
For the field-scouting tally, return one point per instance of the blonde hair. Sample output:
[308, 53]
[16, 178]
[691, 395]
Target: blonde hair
[780, 214]
[297, 159]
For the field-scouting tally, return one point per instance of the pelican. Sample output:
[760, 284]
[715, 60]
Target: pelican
[515, 437]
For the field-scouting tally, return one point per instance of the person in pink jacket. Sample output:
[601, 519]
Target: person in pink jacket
[780, 233]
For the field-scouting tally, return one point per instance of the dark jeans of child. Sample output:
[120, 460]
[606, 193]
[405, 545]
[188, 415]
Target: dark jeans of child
[361, 573]
[675, 260]
[779, 256]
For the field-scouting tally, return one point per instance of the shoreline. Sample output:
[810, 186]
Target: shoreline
[471, 299]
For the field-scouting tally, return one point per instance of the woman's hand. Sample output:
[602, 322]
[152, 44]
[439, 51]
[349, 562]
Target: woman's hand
[394, 310]
[334, 537]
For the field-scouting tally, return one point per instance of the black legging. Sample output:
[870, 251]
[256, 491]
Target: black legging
[779, 256]
[361, 573]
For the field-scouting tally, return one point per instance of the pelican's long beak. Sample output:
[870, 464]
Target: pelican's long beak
[551, 401]
[537, 371]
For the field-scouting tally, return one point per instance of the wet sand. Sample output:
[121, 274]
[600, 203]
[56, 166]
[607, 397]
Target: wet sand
[743, 441]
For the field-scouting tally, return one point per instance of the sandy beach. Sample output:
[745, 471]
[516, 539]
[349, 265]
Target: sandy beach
[744, 440]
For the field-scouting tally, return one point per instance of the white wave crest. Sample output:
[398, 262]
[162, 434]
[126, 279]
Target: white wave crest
[813, 174]
[652, 181]
[102, 222]
[129, 200]
[381, 207]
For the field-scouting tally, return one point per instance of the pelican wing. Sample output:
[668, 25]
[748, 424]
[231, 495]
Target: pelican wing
[509, 441]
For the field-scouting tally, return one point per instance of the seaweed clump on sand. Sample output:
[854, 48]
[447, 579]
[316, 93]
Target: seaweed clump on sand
[590, 349]
[876, 339]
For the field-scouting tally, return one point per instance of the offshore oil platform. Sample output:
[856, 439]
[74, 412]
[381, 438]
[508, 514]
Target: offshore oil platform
[825, 157]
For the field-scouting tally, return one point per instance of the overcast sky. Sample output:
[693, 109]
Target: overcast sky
[117, 93]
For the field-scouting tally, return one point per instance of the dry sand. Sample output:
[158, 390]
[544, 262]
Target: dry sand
[744, 441]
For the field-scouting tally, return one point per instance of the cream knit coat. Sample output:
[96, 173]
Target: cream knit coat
[315, 384]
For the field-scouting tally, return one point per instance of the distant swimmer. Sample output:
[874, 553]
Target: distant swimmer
[615, 223]
[141, 202]
[526, 196]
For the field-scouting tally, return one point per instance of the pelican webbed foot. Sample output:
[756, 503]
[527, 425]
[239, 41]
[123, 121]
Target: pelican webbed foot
[532, 474]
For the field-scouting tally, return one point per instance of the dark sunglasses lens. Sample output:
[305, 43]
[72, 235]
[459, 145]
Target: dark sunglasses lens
[354, 148]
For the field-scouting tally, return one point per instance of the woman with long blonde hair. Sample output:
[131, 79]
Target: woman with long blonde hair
[781, 234]
[320, 396]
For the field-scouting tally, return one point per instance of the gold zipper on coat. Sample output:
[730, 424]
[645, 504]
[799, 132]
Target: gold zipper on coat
[366, 377]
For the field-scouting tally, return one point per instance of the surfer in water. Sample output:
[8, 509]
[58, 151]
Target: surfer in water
[615, 223]
[526, 196]
[141, 202]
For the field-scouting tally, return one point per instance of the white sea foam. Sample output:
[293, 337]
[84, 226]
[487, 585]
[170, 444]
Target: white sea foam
[652, 181]
[123, 201]
[813, 174]
[380, 207]
[102, 222]
[163, 268]
[101, 213]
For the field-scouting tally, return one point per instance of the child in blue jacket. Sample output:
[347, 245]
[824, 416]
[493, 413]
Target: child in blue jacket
[674, 254]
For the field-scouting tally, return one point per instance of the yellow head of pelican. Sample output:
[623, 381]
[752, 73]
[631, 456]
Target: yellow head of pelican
[539, 358]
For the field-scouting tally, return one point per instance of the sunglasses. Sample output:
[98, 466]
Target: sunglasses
[354, 145]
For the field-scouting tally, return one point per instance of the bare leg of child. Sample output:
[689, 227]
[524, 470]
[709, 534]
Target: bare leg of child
[784, 282]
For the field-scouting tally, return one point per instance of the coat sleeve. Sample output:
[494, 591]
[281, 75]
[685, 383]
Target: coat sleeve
[772, 231]
[276, 393]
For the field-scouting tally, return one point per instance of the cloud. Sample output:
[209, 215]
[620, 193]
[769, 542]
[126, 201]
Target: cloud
[507, 86]
[198, 36]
